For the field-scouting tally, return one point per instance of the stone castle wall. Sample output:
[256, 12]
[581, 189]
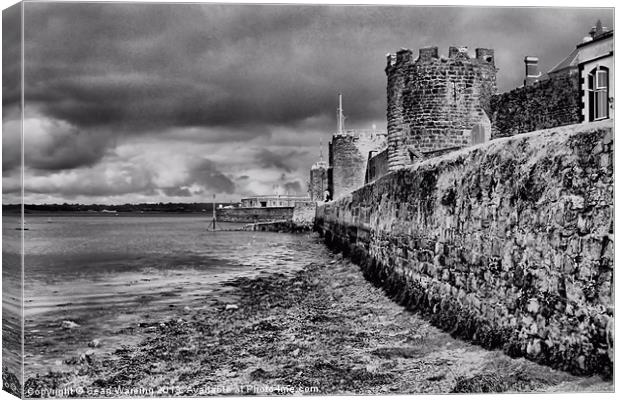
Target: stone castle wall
[377, 166]
[254, 214]
[348, 158]
[318, 181]
[546, 104]
[509, 243]
[303, 214]
[434, 102]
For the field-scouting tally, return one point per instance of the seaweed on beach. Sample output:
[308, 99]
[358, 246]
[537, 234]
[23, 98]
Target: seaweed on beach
[492, 382]
[505, 377]
[323, 327]
[10, 383]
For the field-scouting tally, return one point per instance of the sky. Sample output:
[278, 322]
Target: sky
[129, 103]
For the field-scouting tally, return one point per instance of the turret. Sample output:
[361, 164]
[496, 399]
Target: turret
[435, 101]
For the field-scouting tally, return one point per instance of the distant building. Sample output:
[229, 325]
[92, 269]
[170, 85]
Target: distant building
[596, 66]
[532, 73]
[592, 62]
[276, 200]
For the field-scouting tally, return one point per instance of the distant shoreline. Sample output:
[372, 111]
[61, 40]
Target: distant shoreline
[104, 214]
[136, 208]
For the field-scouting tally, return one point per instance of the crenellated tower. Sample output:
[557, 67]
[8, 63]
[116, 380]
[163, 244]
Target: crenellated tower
[434, 102]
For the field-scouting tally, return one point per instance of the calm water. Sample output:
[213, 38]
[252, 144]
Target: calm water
[107, 273]
[11, 295]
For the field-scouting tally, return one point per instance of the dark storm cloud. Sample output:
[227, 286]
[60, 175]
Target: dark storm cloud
[156, 66]
[11, 33]
[177, 192]
[206, 173]
[270, 159]
[52, 145]
[67, 150]
[94, 182]
[293, 187]
[100, 74]
[11, 142]
[146, 66]
[125, 178]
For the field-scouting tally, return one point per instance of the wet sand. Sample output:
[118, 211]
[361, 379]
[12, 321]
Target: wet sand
[321, 330]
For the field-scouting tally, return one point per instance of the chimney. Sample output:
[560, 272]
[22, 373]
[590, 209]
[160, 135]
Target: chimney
[531, 70]
[596, 30]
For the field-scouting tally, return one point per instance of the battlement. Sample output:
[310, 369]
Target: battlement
[435, 102]
[320, 165]
[362, 133]
[404, 56]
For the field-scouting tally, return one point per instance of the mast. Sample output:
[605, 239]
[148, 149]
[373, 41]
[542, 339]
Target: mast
[213, 212]
[340, 114]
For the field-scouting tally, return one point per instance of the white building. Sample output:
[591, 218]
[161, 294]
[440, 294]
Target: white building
[593, 60]
[275, 200]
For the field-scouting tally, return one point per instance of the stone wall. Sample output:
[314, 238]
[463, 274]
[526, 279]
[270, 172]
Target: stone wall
[303, 214]
[255, 214]
[433, 102]
[377, 166]
[348, 157]
[318, 181]
[541, 105]
[509, 243]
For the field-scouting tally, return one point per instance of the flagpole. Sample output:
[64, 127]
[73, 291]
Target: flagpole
[213, 228]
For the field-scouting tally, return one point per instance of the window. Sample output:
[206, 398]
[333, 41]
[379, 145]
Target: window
[598, 98]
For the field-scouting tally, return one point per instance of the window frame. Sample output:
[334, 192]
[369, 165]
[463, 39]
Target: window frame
[598, 93]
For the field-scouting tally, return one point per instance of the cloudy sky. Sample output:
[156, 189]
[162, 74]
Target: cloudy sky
[155, 102]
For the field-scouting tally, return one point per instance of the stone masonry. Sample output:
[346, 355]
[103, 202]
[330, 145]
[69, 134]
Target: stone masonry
[541, 105]
[318, 180]
[254, 214]
[348, 155]
[377, 166]
[303, 215]
[509, 243]
[433, 102]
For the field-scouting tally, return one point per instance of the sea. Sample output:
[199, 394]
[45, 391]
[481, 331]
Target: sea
[107, 273]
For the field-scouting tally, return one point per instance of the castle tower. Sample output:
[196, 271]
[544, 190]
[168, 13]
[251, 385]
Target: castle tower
[318, 180]
[348, 157]
[434, 102]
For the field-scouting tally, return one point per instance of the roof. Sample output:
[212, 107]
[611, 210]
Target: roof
[275, 197]
[570, 61]
[600, 36]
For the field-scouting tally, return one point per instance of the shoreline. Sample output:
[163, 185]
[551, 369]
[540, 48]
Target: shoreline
[321, 330]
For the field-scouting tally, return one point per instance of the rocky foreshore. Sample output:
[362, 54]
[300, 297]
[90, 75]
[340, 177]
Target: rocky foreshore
[322, 330]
